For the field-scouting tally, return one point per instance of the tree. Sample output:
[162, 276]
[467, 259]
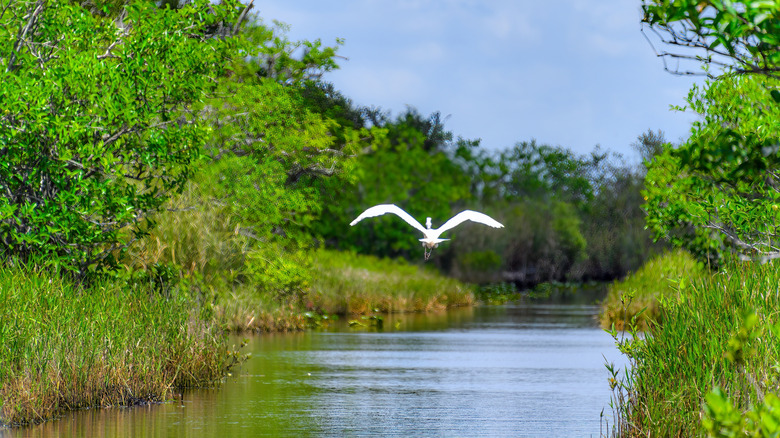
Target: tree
[649, 145]
[743, 36]
[97, 128]
[269, 157]
[409, 164]
[719, 190]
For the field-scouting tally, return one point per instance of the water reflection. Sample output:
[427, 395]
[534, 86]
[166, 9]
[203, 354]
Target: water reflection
[533, 369]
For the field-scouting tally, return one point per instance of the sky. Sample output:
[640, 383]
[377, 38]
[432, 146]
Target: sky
[570, 73]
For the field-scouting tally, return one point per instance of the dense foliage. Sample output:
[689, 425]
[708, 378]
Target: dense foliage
[97, 129]
[273, 160]
[719, 191]
[742, 36]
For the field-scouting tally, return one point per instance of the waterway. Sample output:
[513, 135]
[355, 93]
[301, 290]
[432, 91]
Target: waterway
[535, 368]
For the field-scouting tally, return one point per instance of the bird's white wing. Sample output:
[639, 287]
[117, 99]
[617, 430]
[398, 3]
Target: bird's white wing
[468, 215]
[381, 209]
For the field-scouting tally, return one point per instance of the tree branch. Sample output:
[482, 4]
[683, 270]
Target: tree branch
[23, 34]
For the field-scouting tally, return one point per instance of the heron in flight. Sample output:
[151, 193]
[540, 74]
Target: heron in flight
[431, 239]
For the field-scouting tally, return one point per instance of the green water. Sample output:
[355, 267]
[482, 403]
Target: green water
[516, 370]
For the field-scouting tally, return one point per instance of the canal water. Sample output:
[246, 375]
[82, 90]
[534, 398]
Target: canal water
[530, 369]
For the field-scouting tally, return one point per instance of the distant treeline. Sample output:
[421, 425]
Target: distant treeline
[567, 217]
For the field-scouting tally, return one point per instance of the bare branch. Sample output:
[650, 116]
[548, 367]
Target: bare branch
[242, 17]
[23, 34]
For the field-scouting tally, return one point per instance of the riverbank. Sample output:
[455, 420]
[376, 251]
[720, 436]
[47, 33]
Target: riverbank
[345, 284]
[636, 298]
[65, 347]
[709, 358]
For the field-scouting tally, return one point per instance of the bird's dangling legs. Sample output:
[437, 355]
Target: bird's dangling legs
[428, 252]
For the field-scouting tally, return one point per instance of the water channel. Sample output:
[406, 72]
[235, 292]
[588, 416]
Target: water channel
[529, 369]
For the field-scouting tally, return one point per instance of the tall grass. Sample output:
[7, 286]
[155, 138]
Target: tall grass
[348, 283]
[701, 344]
[64, 347]
[637, 296]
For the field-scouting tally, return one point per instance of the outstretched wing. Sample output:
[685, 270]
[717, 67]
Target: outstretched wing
[381, 209]
[468, 215]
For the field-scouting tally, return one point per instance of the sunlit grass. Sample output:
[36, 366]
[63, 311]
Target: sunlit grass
[243, 309]
[348, 283]
[637, 296]
[63, 347]
[700, 344]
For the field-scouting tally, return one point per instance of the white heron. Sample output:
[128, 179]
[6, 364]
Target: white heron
[431, 239]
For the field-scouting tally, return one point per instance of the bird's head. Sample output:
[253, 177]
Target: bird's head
[428, 223]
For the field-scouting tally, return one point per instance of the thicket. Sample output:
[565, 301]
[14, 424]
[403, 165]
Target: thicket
[103, 140]
[98, 127]
[63, 346]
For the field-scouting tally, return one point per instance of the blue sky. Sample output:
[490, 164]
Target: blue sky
[572, 73]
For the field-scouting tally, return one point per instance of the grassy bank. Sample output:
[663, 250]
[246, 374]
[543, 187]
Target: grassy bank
[637, 296]
[63, 347]
[345, 284]
[716, 331]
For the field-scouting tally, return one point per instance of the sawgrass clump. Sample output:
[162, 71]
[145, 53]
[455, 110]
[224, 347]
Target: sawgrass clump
[64, 346]
[348, 283]
[636, 297]
[717, 334]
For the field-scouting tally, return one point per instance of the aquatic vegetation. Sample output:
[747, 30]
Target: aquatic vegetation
[348, 283]
[718, 343]
[639, 293]
[66, 347]
[243, 309]
[499, 293]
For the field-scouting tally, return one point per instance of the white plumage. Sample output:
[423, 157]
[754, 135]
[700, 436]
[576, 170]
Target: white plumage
[431, 239]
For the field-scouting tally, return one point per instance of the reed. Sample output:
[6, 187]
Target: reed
[636, 297]
[65, 347]
[348, 283]
[244, 309]
[716, 331]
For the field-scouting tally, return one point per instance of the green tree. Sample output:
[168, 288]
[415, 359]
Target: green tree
[614, 222]
[548, 172]
[411, 166]
[97, 128]
[719, 190]
[275, 150]
[743, 36]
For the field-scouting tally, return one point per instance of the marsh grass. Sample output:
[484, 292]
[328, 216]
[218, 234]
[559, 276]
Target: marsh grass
[700, 344]
[63, 347]
[346, 283]
[244, 309]
[637, 296]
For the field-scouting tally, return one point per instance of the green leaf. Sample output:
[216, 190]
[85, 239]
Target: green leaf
[775, 95]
